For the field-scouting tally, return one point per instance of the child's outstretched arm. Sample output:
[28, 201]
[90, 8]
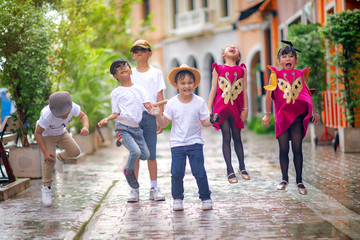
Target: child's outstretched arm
[85, 122]
[212, 93]
[105, 120]
[155, 111]
[245, 111]
[160, 97]
[214, 118]
[48, 156]
[315, 114]
[266, 118]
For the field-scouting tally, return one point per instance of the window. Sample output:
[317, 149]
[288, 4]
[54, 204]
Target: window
[204, 4]
[295, 21]
[174, 12]
[190, 5]
[146, 8]
[224, 8]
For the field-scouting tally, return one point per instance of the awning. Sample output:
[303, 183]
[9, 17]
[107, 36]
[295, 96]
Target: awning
[248, 12]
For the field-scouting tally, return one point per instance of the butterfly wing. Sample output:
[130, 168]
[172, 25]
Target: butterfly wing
[285, 87]
[225, 86]
[236, 88]
[296, 88]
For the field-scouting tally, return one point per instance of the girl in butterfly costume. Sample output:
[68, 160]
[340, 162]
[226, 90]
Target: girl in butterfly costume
[228, 98]
[293, 109]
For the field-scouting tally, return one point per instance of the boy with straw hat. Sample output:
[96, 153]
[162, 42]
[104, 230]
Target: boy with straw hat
[188, 113]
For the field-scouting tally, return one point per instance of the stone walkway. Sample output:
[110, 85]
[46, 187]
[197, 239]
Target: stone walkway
[95, 190]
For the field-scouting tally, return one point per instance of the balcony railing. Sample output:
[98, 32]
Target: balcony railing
[195, 21]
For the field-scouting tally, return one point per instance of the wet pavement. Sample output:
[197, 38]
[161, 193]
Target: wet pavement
[93, 193]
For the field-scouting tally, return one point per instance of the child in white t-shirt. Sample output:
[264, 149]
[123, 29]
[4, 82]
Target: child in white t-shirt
[51, 131]
[128, 102]
[188, 113]
[152, 80]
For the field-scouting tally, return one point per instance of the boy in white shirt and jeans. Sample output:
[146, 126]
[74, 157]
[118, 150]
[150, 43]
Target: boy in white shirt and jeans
[128, 102]
[51, 131]
[152, 80]
[188, 113]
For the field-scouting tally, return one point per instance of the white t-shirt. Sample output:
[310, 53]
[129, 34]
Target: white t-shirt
[54, 126]
[152, 80]
[186, 125]
[129, 102]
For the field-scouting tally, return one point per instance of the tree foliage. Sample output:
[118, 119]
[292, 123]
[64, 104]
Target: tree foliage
[25, 39]
[308, 39]
[91, 34]
[342, 32]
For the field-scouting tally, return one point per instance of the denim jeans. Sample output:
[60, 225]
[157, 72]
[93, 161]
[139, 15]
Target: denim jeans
[149, 126]
[134, 141]
[178, 164]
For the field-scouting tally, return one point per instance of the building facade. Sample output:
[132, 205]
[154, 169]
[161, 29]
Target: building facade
[194, 32]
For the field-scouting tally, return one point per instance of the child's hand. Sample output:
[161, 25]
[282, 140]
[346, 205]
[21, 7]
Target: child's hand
[214, 118]
[103, 122]
[48, 157]
[316, 118]
[155, 111]
[244, 115]
[266, 119]
[84, 131]
[159, 129]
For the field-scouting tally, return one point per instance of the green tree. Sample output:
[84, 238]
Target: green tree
[342, 32]
[25, 39]
[308, 39]
[90, 35]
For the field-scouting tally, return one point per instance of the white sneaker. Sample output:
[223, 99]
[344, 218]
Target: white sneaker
[178, 205]
[59, 166]
[134, 195]
[156, 195]
[46, 196]
[207, 204]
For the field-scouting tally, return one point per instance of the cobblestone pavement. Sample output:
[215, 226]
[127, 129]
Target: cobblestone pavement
[95, 190]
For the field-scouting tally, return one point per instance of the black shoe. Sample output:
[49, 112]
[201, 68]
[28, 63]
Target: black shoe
[131, 179]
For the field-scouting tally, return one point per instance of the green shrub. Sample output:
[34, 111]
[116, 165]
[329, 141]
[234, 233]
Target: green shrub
[255, 124]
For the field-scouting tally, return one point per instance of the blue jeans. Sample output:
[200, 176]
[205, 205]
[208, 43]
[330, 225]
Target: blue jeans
[178, 164]
[149, 126]
[134, 141]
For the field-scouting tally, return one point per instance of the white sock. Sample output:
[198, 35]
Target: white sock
[153, 184]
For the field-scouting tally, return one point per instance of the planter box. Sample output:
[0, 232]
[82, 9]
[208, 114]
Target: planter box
[27, 162]
[11, 189]
[108, 136]
[349, 139]
[86, 143]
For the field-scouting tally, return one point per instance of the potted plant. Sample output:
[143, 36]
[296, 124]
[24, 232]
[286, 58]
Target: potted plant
[309, 41]
[25, 40]
[342, 34]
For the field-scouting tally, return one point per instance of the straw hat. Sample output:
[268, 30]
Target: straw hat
[172, 74]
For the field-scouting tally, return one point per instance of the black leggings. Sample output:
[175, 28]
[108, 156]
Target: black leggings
[295, 133]
[228, 129]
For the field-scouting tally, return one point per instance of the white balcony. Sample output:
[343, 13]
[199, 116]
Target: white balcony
[195, 21]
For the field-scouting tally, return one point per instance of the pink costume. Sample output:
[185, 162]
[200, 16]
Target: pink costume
[292, 97]
[229, 98]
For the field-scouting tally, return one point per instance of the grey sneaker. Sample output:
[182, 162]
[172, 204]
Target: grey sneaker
[178, 205]
[207, 204]
[131, 179]
[134, 195]
[46, 196]
[156, 195]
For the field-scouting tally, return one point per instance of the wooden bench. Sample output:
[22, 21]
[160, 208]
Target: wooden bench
[8, 139]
